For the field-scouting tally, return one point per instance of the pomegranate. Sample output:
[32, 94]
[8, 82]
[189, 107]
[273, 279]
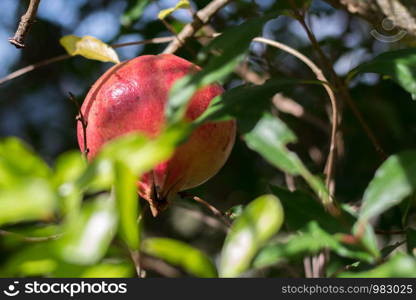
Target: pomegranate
[131, 96]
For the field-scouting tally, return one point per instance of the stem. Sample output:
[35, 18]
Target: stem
[61, 57]
[214, 210]
[321, 77]
[201, 17]
[84, 123]
[135, 257]
[340, 85]
[25, 23]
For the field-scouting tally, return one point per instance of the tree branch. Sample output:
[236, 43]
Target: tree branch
[401, 12]
[49, 61]
[201, 17]
[25, 23]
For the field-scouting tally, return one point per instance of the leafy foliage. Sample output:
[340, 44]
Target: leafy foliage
[65, 217]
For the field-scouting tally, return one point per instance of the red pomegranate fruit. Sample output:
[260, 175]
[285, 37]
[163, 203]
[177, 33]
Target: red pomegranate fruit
[132, 96]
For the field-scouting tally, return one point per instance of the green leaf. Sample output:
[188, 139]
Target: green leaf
[231, 47]
[17, 162]
[28, 200]
[180, 254]
[399, 65]
[394, 180]
[114, 268]
[141, 154]
[127, 205]
[137, 152]
[301, 208]
[309, 242]
[399, 265]
[87, 237]
[89, 47]
[166, 12]
[238, 103]
[32, 260]
[269, 138]
[38, 260]
[68, 167]
[133, 11]
[260, 220]
[365, 232]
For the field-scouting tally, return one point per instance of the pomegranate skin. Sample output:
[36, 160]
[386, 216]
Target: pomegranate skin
[132, 96]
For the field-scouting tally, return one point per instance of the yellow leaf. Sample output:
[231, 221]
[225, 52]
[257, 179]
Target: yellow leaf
[89, 47]
[166, 12]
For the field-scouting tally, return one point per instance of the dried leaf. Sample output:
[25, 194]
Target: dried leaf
[89, 47]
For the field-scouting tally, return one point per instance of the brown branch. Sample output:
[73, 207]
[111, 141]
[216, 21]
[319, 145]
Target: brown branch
[136, 258]
[49, 61]
[401, 12]
[291, 107]
[214, 210]
[340, 86]
[25, 24]
[390, 232]
[207, 220]
[321, 77]
[201, 17]
[159, 40]
[159, 266]
[84, 123]
[35, 66]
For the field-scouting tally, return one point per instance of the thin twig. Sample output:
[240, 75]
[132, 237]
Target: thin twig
[159, 266]
[390, 232]
[35, 66]
[214, 210]
[25, 23]
[61, 57]
[201, 17]
[135, 257]
[207, 220]
[84, 123]
[340, 85]
[159, 40]
[321, 77]
[307, 266]
[29, 238]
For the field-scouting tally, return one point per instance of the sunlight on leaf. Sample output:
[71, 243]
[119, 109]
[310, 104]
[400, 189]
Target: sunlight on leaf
[260, 220]
[89, 47]
[31, 199]
[182, 255]
[394, 180]
[398, 65]
[18, 161]
[87, 238]
[309, 241]
[127, 203]
[230, 47]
